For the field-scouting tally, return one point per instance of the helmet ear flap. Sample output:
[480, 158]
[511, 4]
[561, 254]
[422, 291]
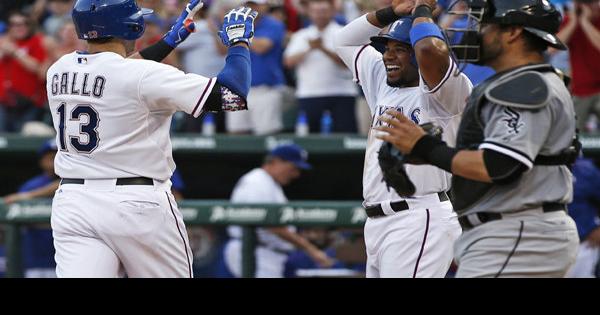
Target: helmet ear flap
[136, 29]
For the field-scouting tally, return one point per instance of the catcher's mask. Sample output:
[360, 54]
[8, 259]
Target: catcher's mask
[538, 17]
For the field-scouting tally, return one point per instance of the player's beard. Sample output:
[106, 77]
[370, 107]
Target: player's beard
[409, 77]
[488, 52]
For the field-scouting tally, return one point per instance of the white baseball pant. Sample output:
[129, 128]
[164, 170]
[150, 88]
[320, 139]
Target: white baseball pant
[102, 229]
[414, 243]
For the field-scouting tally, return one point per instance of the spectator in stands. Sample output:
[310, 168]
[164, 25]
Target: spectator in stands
[7, 7]
[60, 13]
[264, 185]
[65, 41]
[324, 83]
[581, 32]
[305, 18]
[154, 32]
[288, 13]
[22, 88]
[585, 211]
[38, 248]
[264, 114]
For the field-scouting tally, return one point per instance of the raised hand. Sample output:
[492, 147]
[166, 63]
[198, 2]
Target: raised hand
[238, 26]
[586, 13]
[430, 3]
[316, 43]
[184, 25]
[403, 7]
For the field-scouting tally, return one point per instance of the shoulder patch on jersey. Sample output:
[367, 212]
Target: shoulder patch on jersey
[527, 90]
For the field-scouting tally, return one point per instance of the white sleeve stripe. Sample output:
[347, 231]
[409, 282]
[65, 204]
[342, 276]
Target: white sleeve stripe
[513, 154]
[203, 97]
[446, 77]
[356, 62]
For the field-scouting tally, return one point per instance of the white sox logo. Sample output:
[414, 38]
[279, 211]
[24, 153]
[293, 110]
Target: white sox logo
[512, 122]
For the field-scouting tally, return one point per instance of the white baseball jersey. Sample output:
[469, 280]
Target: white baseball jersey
[112, 115]
[257, 186]
[442, 105]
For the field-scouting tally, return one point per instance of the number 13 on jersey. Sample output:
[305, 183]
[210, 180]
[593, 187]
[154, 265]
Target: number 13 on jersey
[87, 138]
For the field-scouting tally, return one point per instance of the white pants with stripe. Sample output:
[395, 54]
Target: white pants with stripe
[414, 243]
[104, 230]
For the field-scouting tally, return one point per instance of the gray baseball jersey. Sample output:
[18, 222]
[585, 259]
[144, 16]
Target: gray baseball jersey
[524, 134]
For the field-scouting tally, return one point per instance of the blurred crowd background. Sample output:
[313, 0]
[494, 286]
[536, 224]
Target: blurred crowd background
[299, 86]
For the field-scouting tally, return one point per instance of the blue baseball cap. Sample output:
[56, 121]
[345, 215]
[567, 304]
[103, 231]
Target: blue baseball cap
[48, 146]
[292, 153]
[399, 31]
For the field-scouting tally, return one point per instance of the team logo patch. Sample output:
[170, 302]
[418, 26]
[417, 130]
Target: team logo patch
[513, 121]
[91, 35]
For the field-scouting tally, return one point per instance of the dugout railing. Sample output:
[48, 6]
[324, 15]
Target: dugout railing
[222, 143]
[348, 214]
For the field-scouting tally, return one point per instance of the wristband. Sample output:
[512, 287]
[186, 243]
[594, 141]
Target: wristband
[423, 11]
[387, 16]
[423, 30]
[156, 52]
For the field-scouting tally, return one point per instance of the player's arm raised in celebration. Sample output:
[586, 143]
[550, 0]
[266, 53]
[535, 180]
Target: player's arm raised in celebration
[431, 50]
[196, 94]
[352, 37]
[438, 71]
[233, 82]
[180, 31]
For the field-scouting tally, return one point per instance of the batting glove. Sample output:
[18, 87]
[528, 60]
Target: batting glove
[184, 25]
[238, 26]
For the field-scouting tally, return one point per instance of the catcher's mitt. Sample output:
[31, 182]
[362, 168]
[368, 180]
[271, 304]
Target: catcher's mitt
[392, 161]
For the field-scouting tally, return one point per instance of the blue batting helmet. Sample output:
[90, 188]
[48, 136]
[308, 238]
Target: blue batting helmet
[399, 31]
[96, 19]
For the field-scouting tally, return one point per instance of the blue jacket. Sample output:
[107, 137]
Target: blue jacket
[586, 197]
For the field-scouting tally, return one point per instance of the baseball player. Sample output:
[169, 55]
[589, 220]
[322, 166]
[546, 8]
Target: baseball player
[265, 184]
[406, 237]
[511, 182]
[113, 213]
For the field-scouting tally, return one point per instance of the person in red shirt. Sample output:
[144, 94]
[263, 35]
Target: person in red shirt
[22, 88]
[581, 32]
